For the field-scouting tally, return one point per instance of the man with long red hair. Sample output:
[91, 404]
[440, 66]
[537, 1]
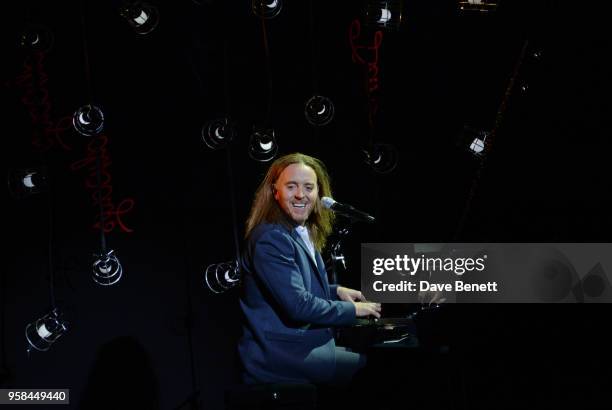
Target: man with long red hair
[288, 304]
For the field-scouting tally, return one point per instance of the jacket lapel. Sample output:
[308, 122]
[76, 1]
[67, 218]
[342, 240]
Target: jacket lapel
[317, 265]
[299, 240]
[323, 273]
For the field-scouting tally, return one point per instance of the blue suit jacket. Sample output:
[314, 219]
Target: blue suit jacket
[288, 307]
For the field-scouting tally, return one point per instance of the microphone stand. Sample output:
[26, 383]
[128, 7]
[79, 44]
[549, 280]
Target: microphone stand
[336, 256]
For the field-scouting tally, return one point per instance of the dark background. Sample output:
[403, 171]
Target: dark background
[160, 333]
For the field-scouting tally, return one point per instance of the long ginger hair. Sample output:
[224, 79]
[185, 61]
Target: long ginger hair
[265, 208]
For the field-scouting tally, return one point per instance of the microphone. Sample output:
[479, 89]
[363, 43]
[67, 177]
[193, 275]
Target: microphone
[346, 210]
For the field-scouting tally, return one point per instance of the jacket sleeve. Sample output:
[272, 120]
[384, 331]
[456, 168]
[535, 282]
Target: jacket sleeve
[333, 290]
[275, 265]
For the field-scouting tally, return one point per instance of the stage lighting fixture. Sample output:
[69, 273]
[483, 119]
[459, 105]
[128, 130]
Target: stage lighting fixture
[143, 17]
[43, 332]
[319, 110]
[25, 182]
[221, 277]
[384, 14]
[263, 146]
[107, 269]
[88, 120]
[474, 140]
[382, 158]
[36, 38]
[218, 133]
[477, 146]
[266, 9]
[477, 6]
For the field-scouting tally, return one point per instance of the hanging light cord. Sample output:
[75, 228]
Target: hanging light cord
[230, 179]
[88, 81]
[489, 143]
[266, 46]
[313, 50]
[50, 249]
[99, 196]
[228, 148]
[314, 68]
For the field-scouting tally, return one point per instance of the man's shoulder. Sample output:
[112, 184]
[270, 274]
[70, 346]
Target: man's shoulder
[267, 229]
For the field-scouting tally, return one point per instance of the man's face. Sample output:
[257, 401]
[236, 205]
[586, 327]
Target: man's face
[296, 191]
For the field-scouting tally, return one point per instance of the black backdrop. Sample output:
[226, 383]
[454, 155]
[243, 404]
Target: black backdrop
[547, 178]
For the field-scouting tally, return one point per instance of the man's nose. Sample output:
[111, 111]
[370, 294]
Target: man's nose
[299, 193]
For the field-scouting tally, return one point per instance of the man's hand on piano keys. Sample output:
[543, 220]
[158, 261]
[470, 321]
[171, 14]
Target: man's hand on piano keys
[349, 295]
[363, 309]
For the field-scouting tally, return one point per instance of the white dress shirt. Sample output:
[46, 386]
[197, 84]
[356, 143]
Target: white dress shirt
[303, 232]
